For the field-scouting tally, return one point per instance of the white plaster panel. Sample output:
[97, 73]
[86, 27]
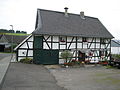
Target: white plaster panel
[22, 52]
[45, 46]
[49, 39]
[30, 44]
[102, 46]
[19, 58]
[97, 45]
[30, 39]
[30, 52]
[115, 50]
[89, 39]
[92, 45]
[97, 39]
[55, 46]
[84, 45]
[79, 45]
[79, 39]
[24, 45]
[73, 46]
[55, 39]
[108, 46]
[62, 46]
[69, 39]
[68, 45]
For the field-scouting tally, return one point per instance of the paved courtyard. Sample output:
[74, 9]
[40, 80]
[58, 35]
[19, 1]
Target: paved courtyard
[88, 78]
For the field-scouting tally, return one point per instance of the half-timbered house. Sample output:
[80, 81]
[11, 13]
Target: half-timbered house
[86, 37]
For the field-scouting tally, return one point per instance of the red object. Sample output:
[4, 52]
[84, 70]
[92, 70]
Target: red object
[103, 62]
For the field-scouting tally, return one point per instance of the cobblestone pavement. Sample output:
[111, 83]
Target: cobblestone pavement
[88, 78]
[29, 77]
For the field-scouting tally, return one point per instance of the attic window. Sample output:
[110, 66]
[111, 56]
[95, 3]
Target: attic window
[84, 39]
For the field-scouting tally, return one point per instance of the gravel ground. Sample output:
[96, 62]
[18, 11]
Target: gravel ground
[87, 78]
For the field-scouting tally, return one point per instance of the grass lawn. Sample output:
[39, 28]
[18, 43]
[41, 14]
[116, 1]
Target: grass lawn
[18, 34]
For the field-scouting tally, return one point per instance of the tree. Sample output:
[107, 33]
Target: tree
[11, 31]
[24, 32]
[17, 31]
[3, 31]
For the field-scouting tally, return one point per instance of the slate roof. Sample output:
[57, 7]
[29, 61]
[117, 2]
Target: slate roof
[115, 43]
[56, 23]
[16, 39]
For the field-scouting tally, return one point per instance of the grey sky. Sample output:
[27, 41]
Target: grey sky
[22, 13]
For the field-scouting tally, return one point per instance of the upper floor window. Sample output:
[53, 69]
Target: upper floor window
[62, 39]
[84, 39]
[102, 41]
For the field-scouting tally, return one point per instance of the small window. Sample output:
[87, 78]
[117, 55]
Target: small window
[84, 39]
[102, 41]
[62, 39]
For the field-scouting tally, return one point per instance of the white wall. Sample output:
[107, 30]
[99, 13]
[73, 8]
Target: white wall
[55, 45]
[115, 50]
[22, 51]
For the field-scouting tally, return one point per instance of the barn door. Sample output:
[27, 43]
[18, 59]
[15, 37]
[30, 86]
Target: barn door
[43, 56]
[46, 56]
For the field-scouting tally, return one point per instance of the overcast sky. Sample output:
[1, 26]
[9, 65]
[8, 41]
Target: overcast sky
[22, 13]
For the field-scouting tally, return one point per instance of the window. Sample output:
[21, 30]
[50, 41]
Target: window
[84, 39]
[102, 41]
[62, 39]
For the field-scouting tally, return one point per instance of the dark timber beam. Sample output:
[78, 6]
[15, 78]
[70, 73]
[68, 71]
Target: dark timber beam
[90, 43]
[70, 42]
[46, 43]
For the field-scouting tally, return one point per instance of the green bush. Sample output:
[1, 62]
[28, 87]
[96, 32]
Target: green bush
[66, 55]
[116, 56]
[26, 60]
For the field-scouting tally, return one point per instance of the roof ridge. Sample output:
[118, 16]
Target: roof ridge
[63, 12]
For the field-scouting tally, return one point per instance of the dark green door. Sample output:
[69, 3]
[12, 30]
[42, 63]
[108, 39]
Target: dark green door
[42, 56]
[46, 56]
[37, 45]
[38, 42]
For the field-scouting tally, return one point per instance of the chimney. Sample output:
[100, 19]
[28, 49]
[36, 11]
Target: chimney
[82, 15]
[66, 11]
